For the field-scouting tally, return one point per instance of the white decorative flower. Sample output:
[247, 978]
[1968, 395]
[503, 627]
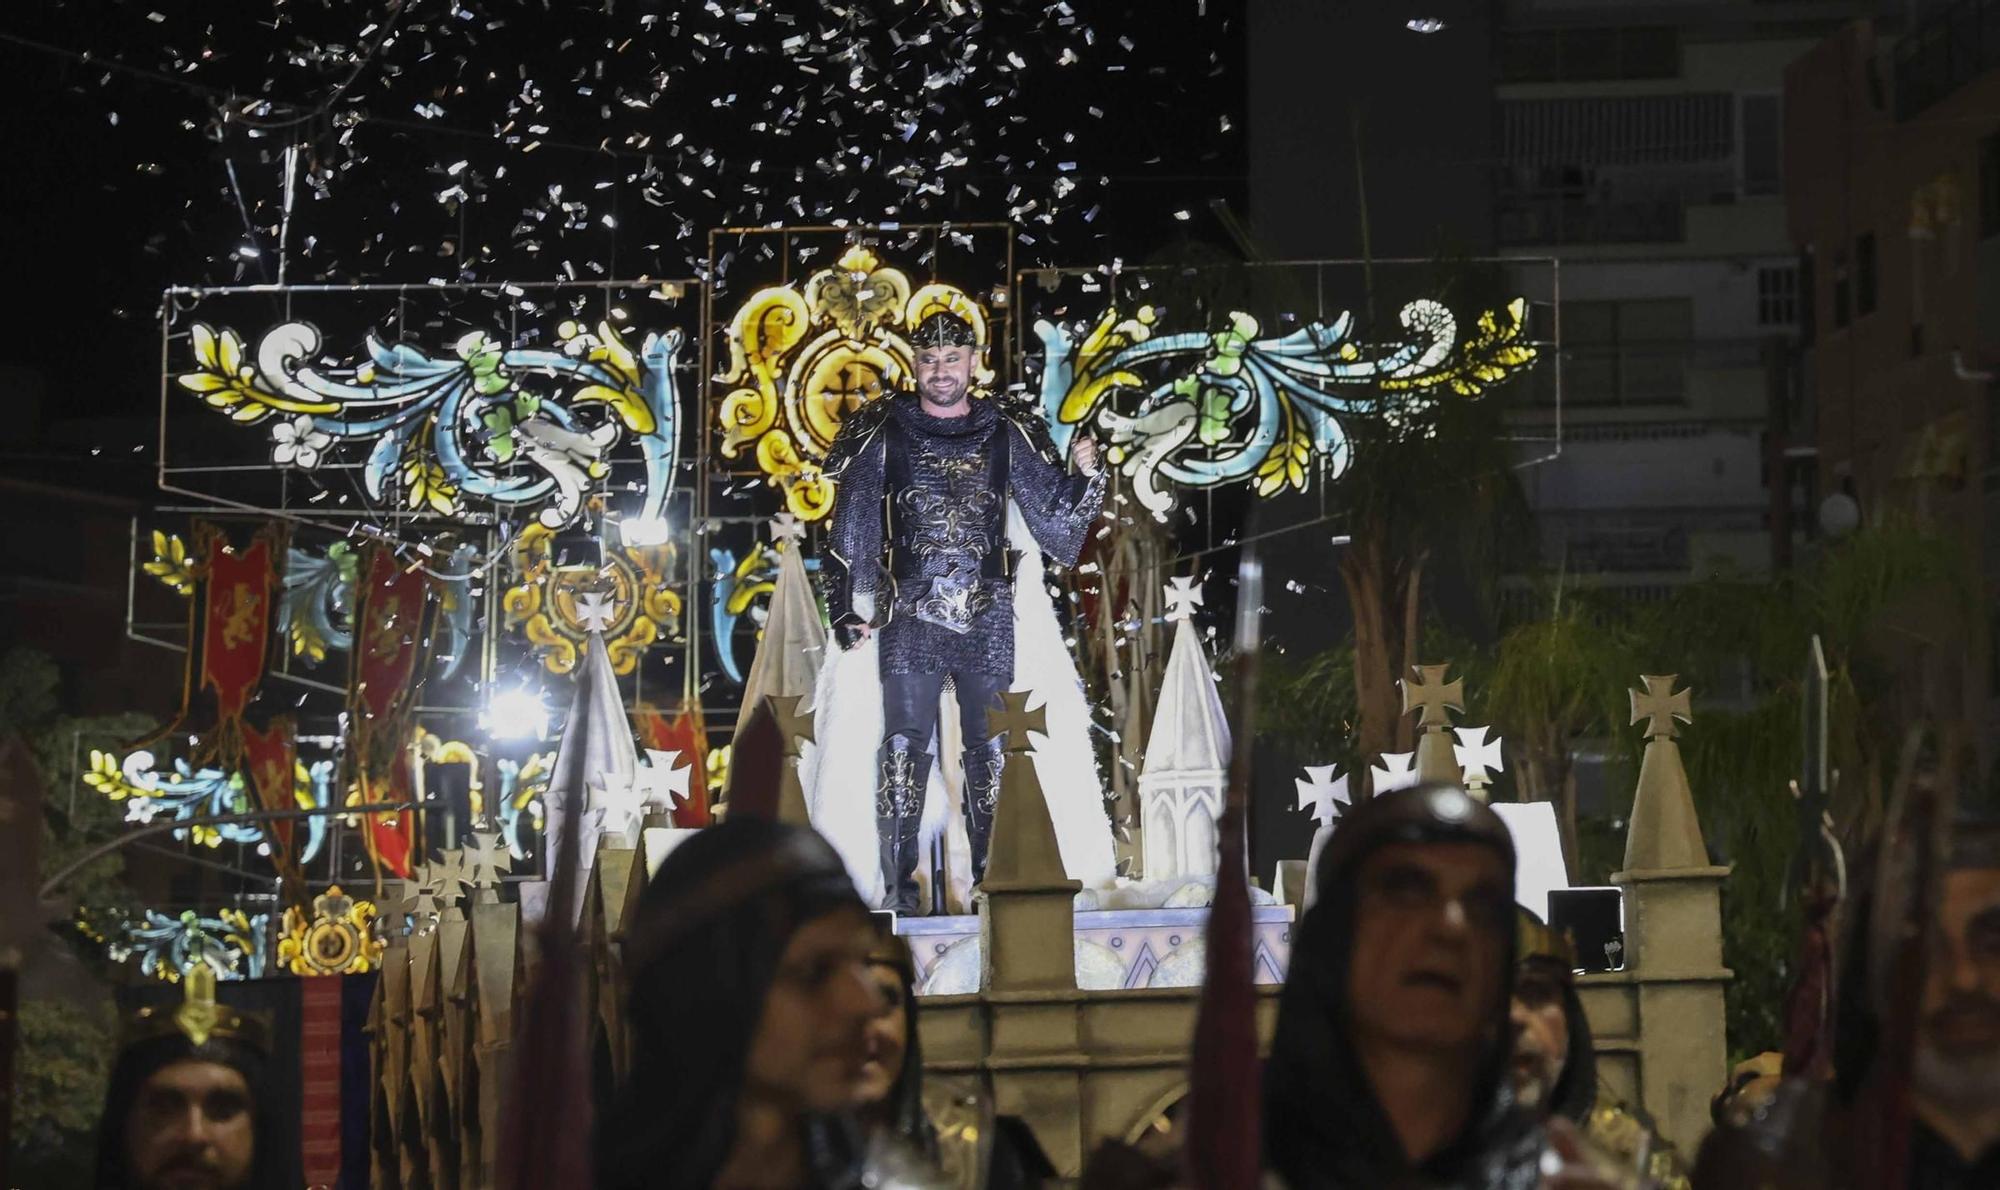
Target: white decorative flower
[297, 442]
[140, 809]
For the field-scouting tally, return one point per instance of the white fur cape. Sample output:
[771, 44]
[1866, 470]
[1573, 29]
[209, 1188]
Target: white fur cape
[838, 771]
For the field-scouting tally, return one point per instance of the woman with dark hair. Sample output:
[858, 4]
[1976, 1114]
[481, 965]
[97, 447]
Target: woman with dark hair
[749, 999]
[891, 1101]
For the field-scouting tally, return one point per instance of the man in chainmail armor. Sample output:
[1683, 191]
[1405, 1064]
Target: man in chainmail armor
[918, 550]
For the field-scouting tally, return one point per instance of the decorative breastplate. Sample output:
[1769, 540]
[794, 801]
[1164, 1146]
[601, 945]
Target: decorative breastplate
[947, 523]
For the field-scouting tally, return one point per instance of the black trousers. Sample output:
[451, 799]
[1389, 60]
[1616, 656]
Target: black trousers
[909, 723]
[910, 706]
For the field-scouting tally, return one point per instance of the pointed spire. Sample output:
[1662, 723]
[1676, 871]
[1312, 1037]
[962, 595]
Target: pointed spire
[1024, 851]
[596, 750]
[795, 729]
[792, 645]
[1187, 753]
[1665, 831]
[1430, 695]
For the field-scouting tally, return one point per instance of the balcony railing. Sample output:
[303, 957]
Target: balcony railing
[1560, 217]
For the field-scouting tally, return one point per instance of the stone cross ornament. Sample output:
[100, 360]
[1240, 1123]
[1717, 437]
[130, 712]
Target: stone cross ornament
[486, 857]
[595, 611]
[1183, 596]
[787, 529]
[1015, 720]
[1658, 706]
[1401, 772]
[1433, 695]
[659, 782]
[1477, 755]
[1322, 794]
[795, 727]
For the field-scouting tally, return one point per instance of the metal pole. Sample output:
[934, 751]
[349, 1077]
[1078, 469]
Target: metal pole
[147, 831]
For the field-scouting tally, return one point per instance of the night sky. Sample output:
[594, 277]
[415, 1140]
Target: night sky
[536, 139]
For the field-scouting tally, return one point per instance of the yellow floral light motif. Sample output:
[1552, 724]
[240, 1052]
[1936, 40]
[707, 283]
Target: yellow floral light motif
[607, 349]
[544, 601]
[425, 484]
[1204, 408]
[1485, 358]
[229, 382]
[171, 564]
[801, 361]
[335, 941]
[1094, 380]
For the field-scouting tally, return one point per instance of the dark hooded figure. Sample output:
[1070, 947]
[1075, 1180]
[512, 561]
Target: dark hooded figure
[1389, 1066]
[1954, 1076]
[748, 1000]
[1555, 1061]
[190, 1106]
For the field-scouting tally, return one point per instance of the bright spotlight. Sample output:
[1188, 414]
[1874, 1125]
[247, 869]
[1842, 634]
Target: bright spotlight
[516, 715]
[1424, 25]
[645, 531]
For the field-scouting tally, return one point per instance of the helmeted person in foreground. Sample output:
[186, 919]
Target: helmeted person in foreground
[1806, 1134]
[1389, 1066]
[1955, 1080]
[748, 1000]
[190, 1106]
[918, 550]
[1554, 1066]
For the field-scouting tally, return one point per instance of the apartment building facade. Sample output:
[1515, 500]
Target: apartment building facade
[1899, 243]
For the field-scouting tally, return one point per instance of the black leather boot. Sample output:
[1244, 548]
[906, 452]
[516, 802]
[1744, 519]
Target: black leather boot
[982, 794]
[905, 772]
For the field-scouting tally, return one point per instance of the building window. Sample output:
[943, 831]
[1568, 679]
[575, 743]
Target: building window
[1808, 297]
[1778, 295]
[1989, 186]
[1586, 54]
[1622, 353]
[1760, 138]
[1843, 292]
[1864, 274]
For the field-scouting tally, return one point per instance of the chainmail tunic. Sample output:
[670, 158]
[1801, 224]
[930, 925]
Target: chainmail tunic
[924, 536]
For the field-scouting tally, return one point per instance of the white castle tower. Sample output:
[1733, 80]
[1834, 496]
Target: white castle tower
[1187, 755]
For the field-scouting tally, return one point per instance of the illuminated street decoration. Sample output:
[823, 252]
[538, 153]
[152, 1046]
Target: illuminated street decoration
[741, 589]
[1199, 410]
[335, 941]
[181, 793]
[312, 788]
[481, 424]
[171, 565]
[316, 612]
[231, 943]
[519, 804]
[550, 602]
[801, 361]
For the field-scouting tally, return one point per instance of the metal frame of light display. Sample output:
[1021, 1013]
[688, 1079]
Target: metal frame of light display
[1196, 388]
[481, 428]
[1187, 373]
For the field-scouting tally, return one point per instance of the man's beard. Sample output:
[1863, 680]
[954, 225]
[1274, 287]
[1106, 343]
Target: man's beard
[951, 399]
[1956, 1079]
[1531, 1090]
